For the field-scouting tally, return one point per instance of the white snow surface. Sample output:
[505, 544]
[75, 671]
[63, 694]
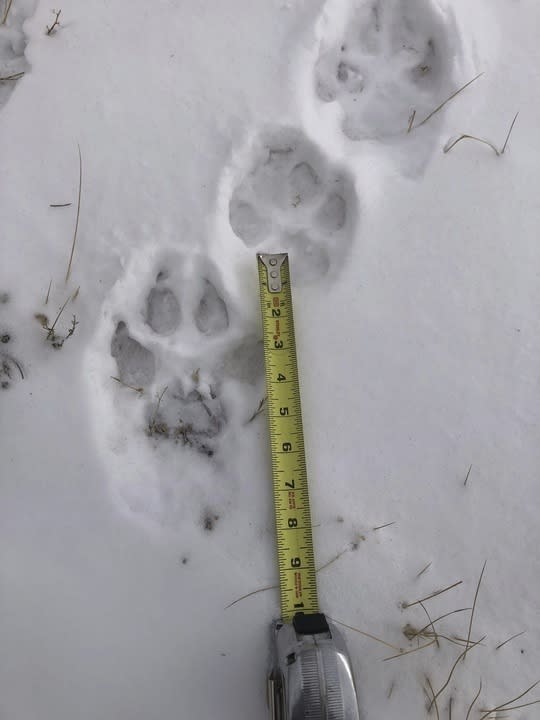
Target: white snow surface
[131, 517]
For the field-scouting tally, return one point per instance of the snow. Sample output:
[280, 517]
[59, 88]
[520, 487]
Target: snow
[128, 523]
